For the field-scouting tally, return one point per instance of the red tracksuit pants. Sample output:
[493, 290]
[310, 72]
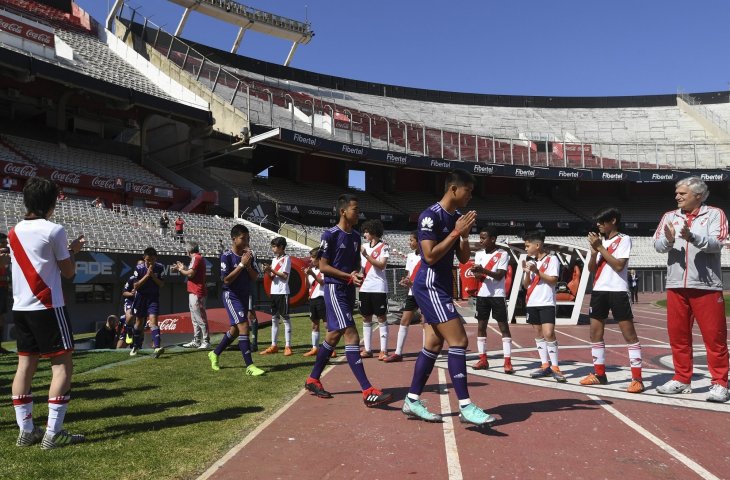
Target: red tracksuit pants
[684, 306]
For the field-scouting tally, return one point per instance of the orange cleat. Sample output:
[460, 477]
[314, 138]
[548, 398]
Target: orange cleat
[311, 353]
[366, 354]
[374, 397]
[636, 386]
[482, 364]
[287, 351]
[334, 354]
[393, 358]
[382, 355]
[593, 379]
[508, 368]
[270, 350]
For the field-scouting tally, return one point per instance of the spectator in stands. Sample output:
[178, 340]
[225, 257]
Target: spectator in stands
[374, 289]
[179, 228]
[693, 236]
[4, 283]
[106, 336]
[98, 203]
[41, 318]
[634, 286]
[221, 247]
[197, 292]
[164, 224]
[7, 183]
[61, 196]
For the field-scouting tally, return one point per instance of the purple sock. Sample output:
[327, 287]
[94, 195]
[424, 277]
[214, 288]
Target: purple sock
[323, 357]
[137, 336]
[156, 337]
[352, 352]
[423, 369]
[244, 344]
[457, 371]
[227, 339]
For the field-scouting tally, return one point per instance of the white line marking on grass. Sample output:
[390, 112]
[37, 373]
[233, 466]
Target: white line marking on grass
[685, 460]
[500, 334]
[235, 450]
[452, 452]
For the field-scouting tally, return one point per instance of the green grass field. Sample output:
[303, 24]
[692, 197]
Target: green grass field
[663, 304]
[153, 418]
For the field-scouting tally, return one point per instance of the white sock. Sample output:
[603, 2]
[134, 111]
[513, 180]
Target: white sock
[383, 337]
[598, 352]
[552, 348]
[287, 331]
[56, 412]
[402, 334]
[464, 402]
[542, 350]
[482, 345]
[274, 329]
[413, 396]
[507, 346]
[367, 334]
[23, 405]
[315, 339]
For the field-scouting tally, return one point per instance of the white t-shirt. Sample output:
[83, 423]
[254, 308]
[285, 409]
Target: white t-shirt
[543, 295]
[36, 276]
[317, 291]
[375, 281]
[489, 286]
[608, 280]
[412, 260]
[279, 286]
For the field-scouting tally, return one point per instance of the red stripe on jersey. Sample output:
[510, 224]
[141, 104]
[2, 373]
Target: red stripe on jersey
[602, 261]
[375, 254]
[415, 271]
[536, 279]
[39, 288]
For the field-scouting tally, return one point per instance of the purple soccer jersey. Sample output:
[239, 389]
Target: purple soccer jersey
[149, 290]
[342, 250]
[128, 287]
[240, 288]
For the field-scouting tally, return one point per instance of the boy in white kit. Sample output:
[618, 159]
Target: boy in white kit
[279, 273]
[374, 289]
[413, 264]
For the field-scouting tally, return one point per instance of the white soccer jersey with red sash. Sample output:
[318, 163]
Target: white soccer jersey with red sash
[413, 264]
[279, 286]
[498, 259]
[606, 279]
[539, 293]
[36, 247]
[315, 284]
[374, 281]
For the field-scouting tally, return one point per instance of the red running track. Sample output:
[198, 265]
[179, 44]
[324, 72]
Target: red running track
[544, 429]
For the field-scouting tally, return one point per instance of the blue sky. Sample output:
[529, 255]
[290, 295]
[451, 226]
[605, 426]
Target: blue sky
[518, 47]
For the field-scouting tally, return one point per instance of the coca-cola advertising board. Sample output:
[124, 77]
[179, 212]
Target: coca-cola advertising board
[61, 177]
[28, 32]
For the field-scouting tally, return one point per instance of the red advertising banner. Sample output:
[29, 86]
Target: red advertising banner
[573, 149]
[16, 27]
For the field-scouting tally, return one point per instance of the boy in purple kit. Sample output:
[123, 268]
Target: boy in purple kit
[148, 282]
[340, 264]
[442, 232]
[238, 272]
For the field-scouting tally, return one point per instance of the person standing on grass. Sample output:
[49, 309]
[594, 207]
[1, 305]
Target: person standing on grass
[4, 284]
[634, 286]
[317, 311]
[279, 272]
[413, 264]
[490, 268]
[374, 289]
[340, 264]
[41, 254]
[238, 271]
[693, 235]
[608, 263]
[146, 305]
[443, 232]
[197, 292]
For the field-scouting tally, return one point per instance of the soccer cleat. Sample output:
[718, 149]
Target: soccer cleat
[673, 387]
[557, 374]
[133, 351]
[288, 352]
[543, 371]
[158, 351]
[193, 344]
[129, 338]
[416, 409]
[312, 352]
[270, 350]
[374, 397]
[382, 355]
[393, 358]
[636, 386]
[594, 379]
[254, 371]
[26, 439]
[718, 394]
[366, 354]
[60, 439]
[482, 363]
[213, 361]
[508, 368]
[475, 415]
[204, 346]
[334, 353]
[315, 386]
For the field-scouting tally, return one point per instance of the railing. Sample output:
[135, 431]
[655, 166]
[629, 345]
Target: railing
[713, 117]
[268, 101]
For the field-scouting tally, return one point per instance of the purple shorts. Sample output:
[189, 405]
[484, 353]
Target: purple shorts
[339, 302]
[236, 309]
[143, 307]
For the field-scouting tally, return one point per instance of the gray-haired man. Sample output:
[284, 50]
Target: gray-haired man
[197, 291]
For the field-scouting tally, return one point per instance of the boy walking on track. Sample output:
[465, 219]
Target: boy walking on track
[340, 264]
[41, 254]
[413, 264]
[442, 233]
[374, 289]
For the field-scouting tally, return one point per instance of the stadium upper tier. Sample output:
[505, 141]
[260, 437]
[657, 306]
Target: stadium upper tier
[636, 132]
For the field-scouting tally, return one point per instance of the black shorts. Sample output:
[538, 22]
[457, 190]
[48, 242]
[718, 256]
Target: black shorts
[411, 305]
[317, 309]
[618, 302]
[373, 303]
[494, 305]
[43, 332]
[3, 300]
[280, 305]
[541, 315]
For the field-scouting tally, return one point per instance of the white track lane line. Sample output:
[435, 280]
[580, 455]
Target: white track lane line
[452, 452]
[572, 336]
[685, 460]
[638, 336]
[663, 328]
[500, 334]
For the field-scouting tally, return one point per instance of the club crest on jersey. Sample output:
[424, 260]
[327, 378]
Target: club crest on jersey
[323, 245]
[427, 223]
[223, 266]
